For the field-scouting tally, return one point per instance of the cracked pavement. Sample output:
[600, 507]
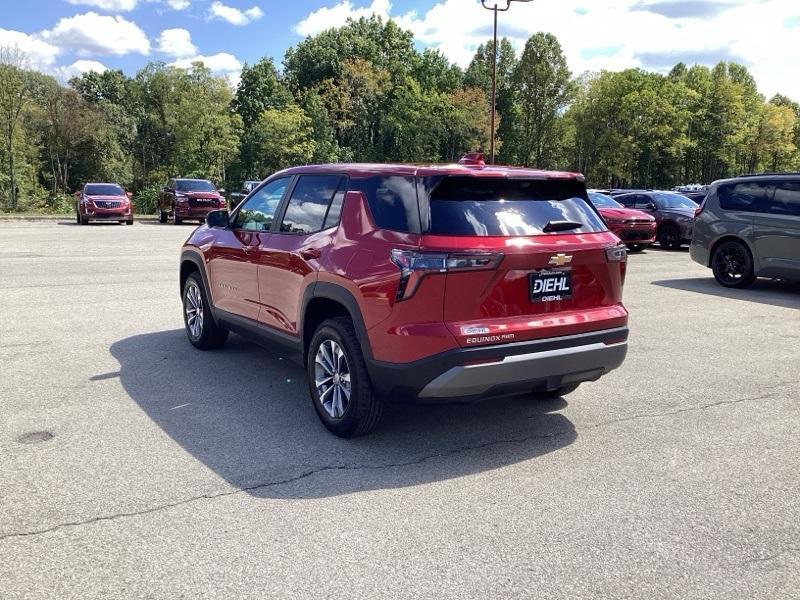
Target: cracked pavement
[174, 473]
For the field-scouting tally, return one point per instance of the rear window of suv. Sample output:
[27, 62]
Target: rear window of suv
[482, 207]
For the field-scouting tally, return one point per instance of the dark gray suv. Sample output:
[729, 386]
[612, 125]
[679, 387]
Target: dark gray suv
[749, 227]
[674, 214]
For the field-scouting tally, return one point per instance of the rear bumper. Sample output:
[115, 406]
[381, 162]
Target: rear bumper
[699, 253]
[467, 374]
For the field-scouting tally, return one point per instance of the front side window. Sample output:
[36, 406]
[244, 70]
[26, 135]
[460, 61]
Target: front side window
[473, 206]
[644, 202]
[750, 196]
[786, 200]
[259, 211]
[628, 201]
[194, 185]
[308, 206]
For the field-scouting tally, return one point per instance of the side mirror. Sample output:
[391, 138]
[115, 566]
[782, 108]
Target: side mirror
[129, 195]
[218, 218]
[221, 191]
[78, 194]
[165, 189]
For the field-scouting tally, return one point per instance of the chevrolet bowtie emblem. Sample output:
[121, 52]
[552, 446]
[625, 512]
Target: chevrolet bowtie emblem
[560, 260]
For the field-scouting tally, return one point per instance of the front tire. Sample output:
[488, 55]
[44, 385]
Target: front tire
[669, 237]
[732, 265]
[338, 381]
[176, 220]
[636, 247]
[202, 331]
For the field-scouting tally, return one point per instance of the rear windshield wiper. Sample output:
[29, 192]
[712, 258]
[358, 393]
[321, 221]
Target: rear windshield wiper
[561, 226]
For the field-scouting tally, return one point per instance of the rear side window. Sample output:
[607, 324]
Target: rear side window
[786, 200]
[392, 201]
[473, 206]
[751, 196]
[308, 205]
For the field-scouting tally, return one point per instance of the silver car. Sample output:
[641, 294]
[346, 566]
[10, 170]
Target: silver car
[749, 227]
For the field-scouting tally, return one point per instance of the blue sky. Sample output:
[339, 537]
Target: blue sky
[64, 37]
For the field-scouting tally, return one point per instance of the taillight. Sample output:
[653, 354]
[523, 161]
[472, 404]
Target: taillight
[618, 254]
[415, 265]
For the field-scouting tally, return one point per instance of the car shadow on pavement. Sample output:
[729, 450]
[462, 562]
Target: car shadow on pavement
[245, 413]
[763, 291]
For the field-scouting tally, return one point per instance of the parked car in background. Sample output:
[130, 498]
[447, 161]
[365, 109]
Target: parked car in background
[749, 227]
[411, 283]
[103, 202]
[247, 187]
[634, 227]
[673, 212]
[618, 191]
[188, 199]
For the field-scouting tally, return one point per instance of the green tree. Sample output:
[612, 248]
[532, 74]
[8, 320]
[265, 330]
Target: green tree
[283, 138]
[14, 96]
[542, 89]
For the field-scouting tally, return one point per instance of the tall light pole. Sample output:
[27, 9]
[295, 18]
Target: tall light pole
[495, 6]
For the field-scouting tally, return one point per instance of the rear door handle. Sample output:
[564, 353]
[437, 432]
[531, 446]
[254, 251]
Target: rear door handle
[310, 253]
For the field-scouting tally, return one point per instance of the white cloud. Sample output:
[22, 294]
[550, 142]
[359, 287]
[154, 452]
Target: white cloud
[79, 67]
[234, 16]
[176, 42]
[613, 34]
[337, 15]
[222, 63]
[91, 33]
[38, 53]
[109, 5]
[178, 4]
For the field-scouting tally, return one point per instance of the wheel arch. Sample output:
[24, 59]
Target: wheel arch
[324, 300]
[729, 237]
[191, 261]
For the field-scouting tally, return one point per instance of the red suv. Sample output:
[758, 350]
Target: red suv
[634, 227]
[103, 202]
[410, 283]
[183, 199]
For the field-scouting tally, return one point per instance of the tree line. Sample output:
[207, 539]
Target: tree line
[363, 92]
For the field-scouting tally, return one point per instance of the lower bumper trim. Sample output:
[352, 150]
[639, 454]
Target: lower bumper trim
[561, 366]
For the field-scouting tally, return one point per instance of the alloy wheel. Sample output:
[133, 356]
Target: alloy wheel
[731, 263]
[332, 378]
[194, 311]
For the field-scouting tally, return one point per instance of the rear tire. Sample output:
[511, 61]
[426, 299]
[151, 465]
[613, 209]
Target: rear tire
[202, 331]
[732, 265]
[162, 216]
[560, 392]
[338, 381]
[669, 237]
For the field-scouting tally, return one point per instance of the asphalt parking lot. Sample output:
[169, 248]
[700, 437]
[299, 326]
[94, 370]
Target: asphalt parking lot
[132, 465]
